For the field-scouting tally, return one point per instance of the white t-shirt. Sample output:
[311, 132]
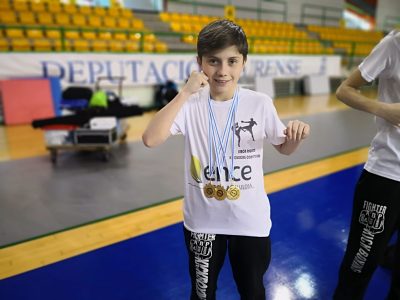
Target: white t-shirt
[256, 117]
[384, 62]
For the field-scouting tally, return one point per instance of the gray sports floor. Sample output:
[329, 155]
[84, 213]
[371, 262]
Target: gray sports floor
[37, 198]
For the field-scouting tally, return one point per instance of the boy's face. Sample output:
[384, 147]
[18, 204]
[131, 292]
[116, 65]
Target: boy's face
[223, 69]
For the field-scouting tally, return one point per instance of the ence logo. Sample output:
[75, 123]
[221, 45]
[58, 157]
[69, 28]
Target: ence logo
[240, 173]
[195, 169]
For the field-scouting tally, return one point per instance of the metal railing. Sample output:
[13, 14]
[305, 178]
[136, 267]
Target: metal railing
[259, 11]
[320, 13]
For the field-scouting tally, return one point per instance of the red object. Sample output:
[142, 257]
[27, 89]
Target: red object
[59, 127]
[25, 100]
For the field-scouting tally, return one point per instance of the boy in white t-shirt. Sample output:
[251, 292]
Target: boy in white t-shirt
[376, 206]
[224, 126]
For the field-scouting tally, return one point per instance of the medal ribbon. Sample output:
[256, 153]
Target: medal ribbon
[211, 136]
[223, 143]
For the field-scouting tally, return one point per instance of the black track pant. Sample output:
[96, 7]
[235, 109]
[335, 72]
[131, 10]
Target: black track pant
[249, 258]
[375, 217]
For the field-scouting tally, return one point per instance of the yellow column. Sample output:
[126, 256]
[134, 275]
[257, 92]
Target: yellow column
[229, 12]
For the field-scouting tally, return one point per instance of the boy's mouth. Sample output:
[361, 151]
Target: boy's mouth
[219, 81]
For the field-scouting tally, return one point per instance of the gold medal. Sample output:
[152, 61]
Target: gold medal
[220, 193]
[233, 192]
[209, 190]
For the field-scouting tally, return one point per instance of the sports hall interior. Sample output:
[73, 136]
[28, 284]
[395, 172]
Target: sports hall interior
[83, 225]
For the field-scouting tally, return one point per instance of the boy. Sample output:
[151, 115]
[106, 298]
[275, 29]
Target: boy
[225, 206]
[376, 206]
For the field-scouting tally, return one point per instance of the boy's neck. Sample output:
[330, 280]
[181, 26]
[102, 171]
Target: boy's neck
[222, 97]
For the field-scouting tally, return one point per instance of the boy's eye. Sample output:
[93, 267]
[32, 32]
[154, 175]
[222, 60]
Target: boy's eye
[233, 61]
[213, 61]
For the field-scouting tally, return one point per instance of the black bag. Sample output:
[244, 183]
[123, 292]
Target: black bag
[75, 92]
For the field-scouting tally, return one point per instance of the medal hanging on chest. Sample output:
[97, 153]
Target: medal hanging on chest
[209, 190]
[218, 146]
[220, 192]
[233, 192]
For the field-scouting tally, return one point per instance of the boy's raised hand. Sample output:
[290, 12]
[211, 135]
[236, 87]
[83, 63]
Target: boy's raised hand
[297, 130]
[195, 82]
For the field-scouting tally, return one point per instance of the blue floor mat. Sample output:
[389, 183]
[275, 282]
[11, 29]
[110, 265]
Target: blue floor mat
[310, 227]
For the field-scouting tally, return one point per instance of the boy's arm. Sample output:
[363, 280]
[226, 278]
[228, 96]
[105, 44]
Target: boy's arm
[159, 127]
[348, 93]
[295, 132]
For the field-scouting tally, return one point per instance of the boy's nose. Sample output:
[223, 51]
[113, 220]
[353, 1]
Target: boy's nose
[222, 71]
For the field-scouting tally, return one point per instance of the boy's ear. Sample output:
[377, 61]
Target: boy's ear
[199, 61]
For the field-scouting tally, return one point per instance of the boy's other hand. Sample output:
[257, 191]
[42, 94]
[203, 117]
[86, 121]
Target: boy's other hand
[297, 130]
[196, 81]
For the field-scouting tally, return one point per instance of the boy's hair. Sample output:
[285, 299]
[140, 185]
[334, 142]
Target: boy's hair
[221, 34]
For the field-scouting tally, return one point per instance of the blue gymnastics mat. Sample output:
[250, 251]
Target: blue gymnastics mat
[310, 227]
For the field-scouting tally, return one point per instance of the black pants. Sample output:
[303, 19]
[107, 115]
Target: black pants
[375, 217]
[249, 258]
